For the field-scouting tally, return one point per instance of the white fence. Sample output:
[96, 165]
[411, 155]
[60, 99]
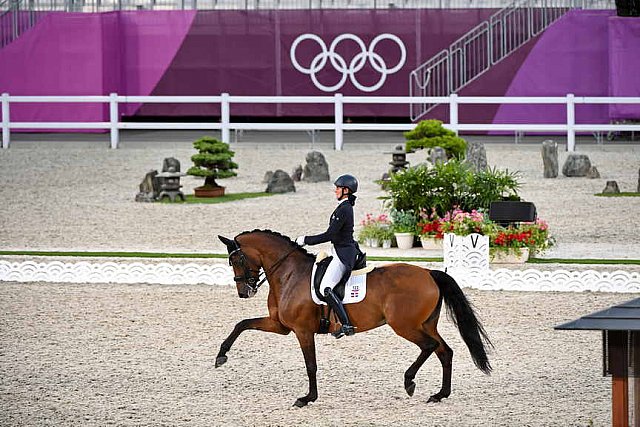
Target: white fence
[338, 126]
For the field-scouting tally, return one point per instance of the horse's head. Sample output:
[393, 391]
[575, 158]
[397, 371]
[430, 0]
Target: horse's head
[245, 270]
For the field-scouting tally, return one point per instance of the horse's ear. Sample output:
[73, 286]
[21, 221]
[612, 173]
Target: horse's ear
[227, 242]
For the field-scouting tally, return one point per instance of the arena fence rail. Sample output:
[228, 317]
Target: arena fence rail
[339, 126]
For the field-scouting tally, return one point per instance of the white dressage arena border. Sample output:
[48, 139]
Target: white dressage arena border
[222, 274]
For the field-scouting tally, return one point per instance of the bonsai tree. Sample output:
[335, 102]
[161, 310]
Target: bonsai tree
[212, 162]
[431, 133]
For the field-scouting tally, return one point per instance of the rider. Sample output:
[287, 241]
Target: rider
[340, 234]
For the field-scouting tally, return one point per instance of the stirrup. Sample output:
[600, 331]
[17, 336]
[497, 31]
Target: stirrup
[347, 330]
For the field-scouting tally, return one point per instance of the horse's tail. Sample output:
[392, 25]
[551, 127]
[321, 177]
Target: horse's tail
[462, 315]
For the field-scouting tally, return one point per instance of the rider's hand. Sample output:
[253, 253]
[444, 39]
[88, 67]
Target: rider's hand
[300, 241]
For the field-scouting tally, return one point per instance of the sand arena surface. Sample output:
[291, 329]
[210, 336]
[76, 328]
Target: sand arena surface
[122, 355]
[144, 355]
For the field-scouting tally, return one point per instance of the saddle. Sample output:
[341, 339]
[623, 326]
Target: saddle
[323, 261]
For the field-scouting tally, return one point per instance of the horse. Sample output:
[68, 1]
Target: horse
[406, 297]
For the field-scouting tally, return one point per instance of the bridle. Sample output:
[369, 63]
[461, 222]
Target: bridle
[251, 277]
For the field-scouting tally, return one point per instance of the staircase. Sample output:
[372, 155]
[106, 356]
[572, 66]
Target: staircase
[476, 52]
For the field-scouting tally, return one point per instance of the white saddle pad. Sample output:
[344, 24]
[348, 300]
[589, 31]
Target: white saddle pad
[354, 290]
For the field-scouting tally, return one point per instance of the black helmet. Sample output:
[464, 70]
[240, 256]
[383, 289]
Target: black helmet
[348, 181]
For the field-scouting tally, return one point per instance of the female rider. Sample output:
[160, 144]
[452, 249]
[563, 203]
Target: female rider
[340, 234]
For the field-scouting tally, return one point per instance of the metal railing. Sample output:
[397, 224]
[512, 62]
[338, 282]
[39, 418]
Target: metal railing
[338, 126]
[490, 42]
[112, 5]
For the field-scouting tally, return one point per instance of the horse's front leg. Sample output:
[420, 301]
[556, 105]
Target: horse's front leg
[308, 346]
[266, 324]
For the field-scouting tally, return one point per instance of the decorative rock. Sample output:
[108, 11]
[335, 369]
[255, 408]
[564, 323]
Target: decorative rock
[611, 188]
[280, 182]
[297, 173]
[576, 165]
[437, 155]
[476, 156]
[170, 164]
[267, 177]
[316, 169]
[148, 188]
[550, 158]
[593, 173]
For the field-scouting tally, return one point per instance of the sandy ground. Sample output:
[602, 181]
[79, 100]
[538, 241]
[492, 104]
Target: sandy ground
[74, 195]
[144, 355]
[120, 355]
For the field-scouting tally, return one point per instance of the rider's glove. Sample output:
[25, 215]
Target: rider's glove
[300, 240]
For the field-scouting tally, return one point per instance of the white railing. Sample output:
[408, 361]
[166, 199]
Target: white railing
[338, 126]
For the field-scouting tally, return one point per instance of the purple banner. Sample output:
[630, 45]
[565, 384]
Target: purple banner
[309, 53]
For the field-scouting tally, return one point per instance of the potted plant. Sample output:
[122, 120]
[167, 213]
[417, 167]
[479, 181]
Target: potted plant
[431, 133]
[404, 227]
[386, 236]
[212, 162]
[430, 230]
[515, 243]
[373, 229]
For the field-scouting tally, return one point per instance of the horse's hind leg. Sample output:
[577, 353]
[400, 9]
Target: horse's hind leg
[445, 355]
[427, 346]
[429, 341]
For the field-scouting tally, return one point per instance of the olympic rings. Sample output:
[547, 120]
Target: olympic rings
[357, 63]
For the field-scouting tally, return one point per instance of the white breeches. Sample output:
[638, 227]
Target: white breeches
[334, 273]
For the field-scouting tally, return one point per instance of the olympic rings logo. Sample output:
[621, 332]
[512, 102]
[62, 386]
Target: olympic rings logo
[356, 64]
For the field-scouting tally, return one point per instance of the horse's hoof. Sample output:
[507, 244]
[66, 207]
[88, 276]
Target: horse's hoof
[411, 388]
[435, 398]
[220, 360]
[300, 403]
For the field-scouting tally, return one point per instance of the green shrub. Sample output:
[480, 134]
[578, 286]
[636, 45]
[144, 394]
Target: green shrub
[431, 133]
[404, 221]
[213, 161]
[450, 185]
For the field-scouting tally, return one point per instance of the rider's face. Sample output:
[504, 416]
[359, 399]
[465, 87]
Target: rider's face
[338, 193]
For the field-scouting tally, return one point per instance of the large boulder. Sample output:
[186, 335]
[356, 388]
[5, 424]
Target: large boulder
[316, 169]
[576, 165]
[476, 156]
[280, 182]
[149, 188]
[550, 158]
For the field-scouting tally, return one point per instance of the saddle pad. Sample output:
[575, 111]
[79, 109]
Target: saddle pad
[354, 290]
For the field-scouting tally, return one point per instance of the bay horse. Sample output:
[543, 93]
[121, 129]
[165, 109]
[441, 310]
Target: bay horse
[406, 297]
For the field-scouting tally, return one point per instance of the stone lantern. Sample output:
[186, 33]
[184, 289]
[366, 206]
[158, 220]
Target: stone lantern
[398, 159]
[169, 180]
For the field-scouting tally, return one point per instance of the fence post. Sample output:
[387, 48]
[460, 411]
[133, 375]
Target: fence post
[338, 113]
[5, 121]
[225, 118]
[571, 121]
[113, 119]
[453, 112]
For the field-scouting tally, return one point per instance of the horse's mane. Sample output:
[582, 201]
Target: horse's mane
[286, 239]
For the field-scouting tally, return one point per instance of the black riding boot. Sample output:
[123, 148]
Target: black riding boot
[335, 303]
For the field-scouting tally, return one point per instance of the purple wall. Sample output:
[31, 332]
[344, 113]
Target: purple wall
[588, 53]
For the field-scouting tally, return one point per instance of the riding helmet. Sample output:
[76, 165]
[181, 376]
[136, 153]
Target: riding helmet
[348, 181]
